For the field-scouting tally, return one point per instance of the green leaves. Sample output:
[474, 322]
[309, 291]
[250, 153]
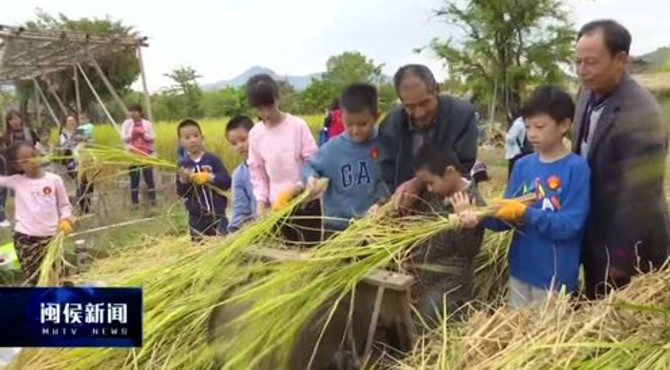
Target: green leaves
[501, 49]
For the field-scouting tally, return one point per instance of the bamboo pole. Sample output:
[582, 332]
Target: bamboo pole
[77, 93]
[46, 102]
[2, 103]
[113, 226]
[108, 84]
[52, 90]
[147, 99]
[95, 93]
[38, 113]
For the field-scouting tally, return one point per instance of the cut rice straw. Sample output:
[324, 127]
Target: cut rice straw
[627, 330]
[182, 289]
[182, 283]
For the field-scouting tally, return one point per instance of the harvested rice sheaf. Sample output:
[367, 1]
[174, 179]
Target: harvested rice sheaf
[627, 330]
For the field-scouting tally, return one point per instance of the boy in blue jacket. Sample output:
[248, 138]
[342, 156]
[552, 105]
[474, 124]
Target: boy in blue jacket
[349, 161]
[202, 177]
[546, 247]
[244, 203]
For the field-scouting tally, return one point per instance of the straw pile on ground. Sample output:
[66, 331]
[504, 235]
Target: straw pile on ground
[628, 330]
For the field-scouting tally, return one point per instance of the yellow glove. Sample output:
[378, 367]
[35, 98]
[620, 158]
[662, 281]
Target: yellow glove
[65, 226]
[201, 178]
[283, 199]
[511, 210]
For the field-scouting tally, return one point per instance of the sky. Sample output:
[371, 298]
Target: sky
[221, 39]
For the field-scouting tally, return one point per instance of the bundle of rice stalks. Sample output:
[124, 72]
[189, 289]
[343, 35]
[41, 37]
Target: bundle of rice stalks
[181, 285]
[491, 273]
[53, 265]
[628, 330]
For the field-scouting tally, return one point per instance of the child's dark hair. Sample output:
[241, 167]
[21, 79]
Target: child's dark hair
[436, 159]
[61, 127]
[549, 100]
[239, 122]
[262, 90]
[10, 113]
[334, 104]
[360, 97]
[188, 123]
[12, 154]
[135, 108]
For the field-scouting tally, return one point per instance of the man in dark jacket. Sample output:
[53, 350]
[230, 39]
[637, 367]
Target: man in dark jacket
[618, 129]
[425, 117]
[430, 120]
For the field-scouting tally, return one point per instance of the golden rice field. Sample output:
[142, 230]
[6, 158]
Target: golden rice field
[213, 129]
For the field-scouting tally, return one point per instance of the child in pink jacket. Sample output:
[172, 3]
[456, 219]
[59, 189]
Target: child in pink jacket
[42, 207]
[138, 135]
[278, 146]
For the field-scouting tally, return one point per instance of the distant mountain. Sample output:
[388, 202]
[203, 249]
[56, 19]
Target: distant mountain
[298, 82]
[651, 62]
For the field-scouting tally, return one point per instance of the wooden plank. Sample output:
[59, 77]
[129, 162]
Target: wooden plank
[373, 323]
[390, 280]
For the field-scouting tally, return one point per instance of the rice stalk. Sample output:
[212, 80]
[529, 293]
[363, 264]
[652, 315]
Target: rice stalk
[52, 268]
[628, 330]
[181, 285]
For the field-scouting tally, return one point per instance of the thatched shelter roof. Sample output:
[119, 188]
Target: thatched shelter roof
[27, 53]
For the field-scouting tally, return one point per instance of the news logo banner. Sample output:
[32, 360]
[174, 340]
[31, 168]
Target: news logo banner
[70, 317]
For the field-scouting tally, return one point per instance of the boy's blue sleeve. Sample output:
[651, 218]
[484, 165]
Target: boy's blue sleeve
[221, 178]
[241, 205]
[315, 165]
[570, 219]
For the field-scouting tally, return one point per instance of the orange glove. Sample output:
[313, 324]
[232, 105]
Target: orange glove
[283, 199]
[511, 210]
[201, 178]
[65, 226]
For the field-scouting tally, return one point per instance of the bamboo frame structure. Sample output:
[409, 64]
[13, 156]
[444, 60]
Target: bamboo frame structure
[27, 54]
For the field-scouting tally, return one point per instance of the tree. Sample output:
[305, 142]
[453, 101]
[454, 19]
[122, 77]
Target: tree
[350, 67]
[167, 106]
[341, 70]
[227, 102]
[187, 90]
[506, 47]
[121, 68]
[387, 97]
[319, 94]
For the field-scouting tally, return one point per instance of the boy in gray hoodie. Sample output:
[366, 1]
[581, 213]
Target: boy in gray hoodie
[349, 161]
